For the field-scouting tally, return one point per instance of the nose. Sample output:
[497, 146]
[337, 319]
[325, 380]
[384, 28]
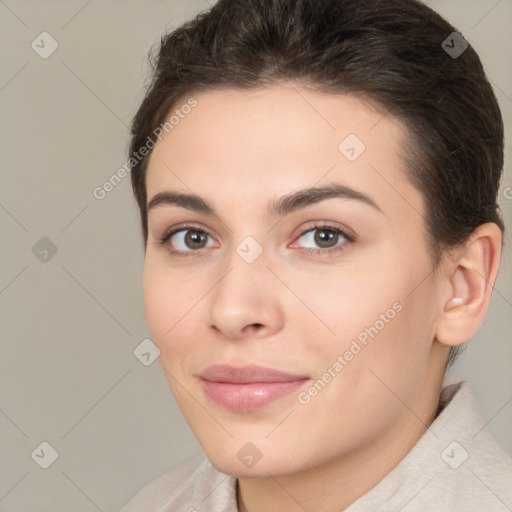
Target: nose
[245, 302]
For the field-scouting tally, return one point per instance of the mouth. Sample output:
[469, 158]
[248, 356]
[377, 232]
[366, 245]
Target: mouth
[248, 388]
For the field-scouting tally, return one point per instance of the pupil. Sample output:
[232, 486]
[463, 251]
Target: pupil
[322, 238]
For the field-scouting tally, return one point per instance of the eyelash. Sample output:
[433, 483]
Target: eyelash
[318, 227]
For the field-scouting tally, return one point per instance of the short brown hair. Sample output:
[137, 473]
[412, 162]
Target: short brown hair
[390, 52]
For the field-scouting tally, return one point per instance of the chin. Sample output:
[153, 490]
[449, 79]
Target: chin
[244, 460]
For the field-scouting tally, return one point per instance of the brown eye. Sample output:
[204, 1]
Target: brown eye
[195, 239]
[187, 240]
[326, 238]
[323, 237]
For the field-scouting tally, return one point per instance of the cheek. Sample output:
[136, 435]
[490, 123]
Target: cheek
[368, 310]
[166, 299]
[157, 303]
[339, 303]
[169, 309]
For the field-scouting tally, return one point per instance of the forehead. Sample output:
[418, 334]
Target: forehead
[249, 144]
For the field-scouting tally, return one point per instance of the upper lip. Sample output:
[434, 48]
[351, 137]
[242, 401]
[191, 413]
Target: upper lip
[247, 374]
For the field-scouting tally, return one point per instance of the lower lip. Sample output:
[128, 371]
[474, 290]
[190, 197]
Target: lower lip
[251, 396]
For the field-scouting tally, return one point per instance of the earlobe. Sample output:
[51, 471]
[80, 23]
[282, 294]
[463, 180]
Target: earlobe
[470, 278]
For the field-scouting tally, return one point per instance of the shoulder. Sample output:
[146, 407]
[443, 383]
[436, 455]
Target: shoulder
[456, 465]
[469, 470]
[186, 487]
[153, 493]
[481, 469]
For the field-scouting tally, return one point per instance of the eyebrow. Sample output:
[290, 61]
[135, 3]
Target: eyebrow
[277, 208]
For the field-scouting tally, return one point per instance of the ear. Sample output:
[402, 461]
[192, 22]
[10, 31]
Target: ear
[470, 278]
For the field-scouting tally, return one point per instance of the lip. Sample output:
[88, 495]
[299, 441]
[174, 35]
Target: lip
[247, 374]
[248, 388]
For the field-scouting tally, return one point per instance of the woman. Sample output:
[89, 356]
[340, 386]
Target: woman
[317, 183]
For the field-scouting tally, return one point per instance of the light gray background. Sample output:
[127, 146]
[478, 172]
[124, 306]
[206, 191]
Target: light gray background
[70, 325]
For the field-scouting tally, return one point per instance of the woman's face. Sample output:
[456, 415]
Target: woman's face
[333, 288]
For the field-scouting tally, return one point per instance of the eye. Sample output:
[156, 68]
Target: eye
[324, 238]
[189, 240]
[186, 240]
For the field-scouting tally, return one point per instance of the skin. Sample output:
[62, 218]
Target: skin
[294, 310]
